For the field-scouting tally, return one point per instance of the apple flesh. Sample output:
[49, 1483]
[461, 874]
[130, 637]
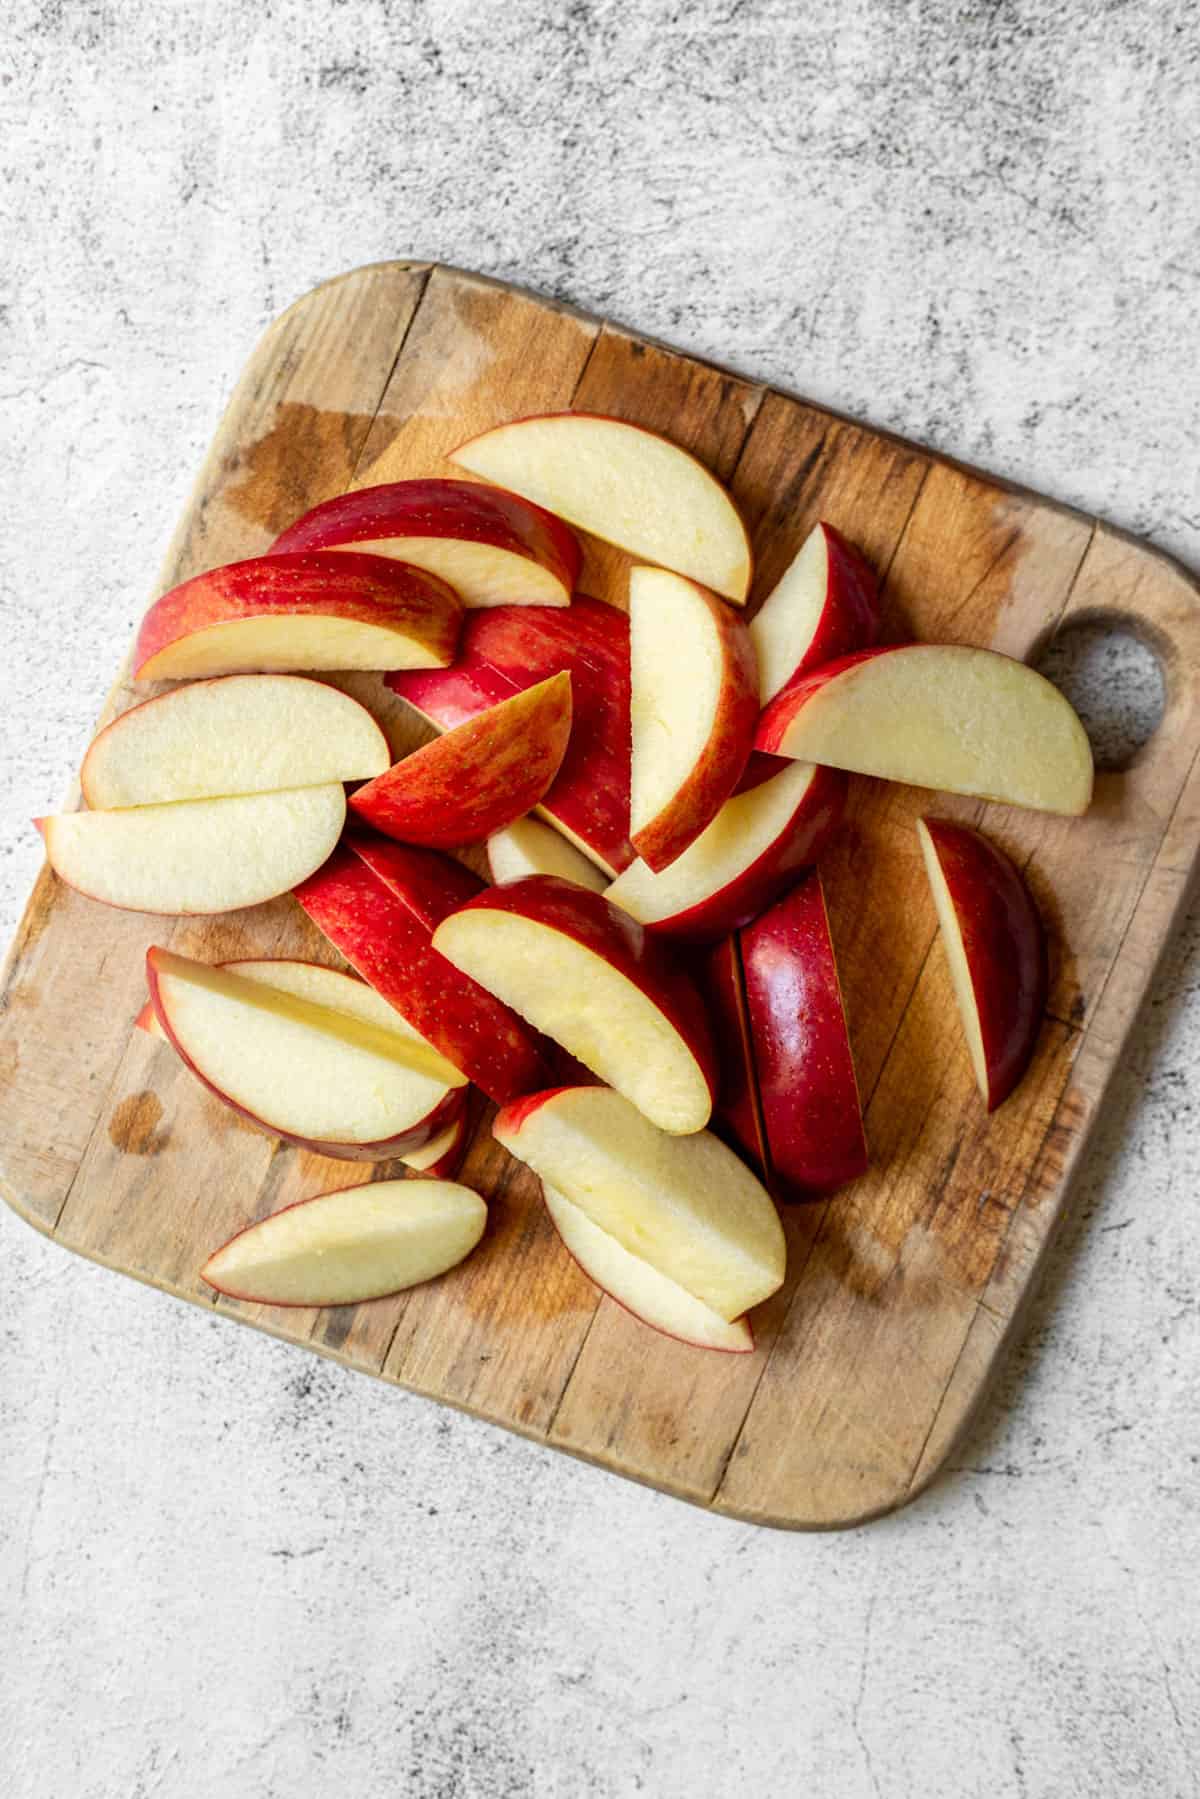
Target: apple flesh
[996, 946]
[625, 485]
[737, 1115]
[825, 605]
[529, 848]
[938, 715]
[693, 711]
[441, 1158]
[355, 1244]
[477, 778]
[492, 548]
[588, 976]
[685, 1205]
[304, 611]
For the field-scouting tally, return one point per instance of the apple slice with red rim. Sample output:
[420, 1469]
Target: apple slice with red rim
[825, 605]
[737, 1115]
[996, 947]
[528, 847]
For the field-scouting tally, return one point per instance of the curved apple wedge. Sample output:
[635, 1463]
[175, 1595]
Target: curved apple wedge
[938, 715]
[825, 605]
[996, 946]
[651, 1297]
[528, 848]
[685, 1205]
[355, 1244]
[441, 1158]
[587, 975]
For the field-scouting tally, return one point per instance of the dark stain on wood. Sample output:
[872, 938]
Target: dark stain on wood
[133, 1127]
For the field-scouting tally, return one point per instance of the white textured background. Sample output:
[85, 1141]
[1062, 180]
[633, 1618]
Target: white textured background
[228, 1569]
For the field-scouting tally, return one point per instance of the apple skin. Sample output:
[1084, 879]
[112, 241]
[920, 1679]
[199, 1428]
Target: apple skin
[1005, 945]
[776, 717]
[849, 618]
[801, 1047]
[477, 778]
[736, 1117]
[429, 885]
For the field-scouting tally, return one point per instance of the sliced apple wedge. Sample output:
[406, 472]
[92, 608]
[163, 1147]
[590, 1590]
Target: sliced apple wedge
[623, 484]
[651, 1297]
[477, 778]
[355, 1244]
[235, 735]
[825, 605]
[587, 975]
[938, 715]
[492, 548]
[441, 1158]
[693, 710]
[996, 947]
[197, 856]
[685, 1205]
[737, 1115]
[314, 611]
[529, 848]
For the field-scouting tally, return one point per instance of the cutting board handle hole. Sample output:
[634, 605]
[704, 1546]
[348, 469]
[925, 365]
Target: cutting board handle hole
[1115, 680]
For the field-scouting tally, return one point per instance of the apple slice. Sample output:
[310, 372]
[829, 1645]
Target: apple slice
[737, 1115]
[529, 848]
[478, 777]
[638, 1288]
[685, 1205]
[801, 1046]
[778, 822]
[996, 946]
[235, 735]
[441, 1158]
[281, 613]
[693, 710]
[825, 605]
[197, 855]
[588, 976]
[493, 548]
[624, 484]
[938, 715]
[354, 1244]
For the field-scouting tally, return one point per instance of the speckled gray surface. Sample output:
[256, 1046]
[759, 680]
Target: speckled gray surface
[228, 1569]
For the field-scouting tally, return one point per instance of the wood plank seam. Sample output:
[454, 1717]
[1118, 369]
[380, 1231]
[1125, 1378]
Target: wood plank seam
[425, 272]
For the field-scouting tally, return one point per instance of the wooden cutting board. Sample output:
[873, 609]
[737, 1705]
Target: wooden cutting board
[902, 1291]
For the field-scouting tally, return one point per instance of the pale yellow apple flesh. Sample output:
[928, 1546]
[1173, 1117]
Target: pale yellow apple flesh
[433, 1151]
[353, 1245]
[294, 643]
[676, 667]
[531, 848]
[790, 614]
[956, 956]
[481, 574]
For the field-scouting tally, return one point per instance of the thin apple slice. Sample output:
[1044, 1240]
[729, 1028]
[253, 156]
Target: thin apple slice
[996, 947]
[288, 613]
[442, 1156]
[638, 1288]
[938, 715]
[588, 976]
[354, 1244]
[825, 605]
[693, 710]
[737, 1115]
[529, 848]
[234, 735]
[492, 548]
[197, 856]
[685, 1205]
[477, 778]
[623, 484]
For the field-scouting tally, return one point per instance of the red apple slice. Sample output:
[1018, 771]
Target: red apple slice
[281, 613]
[778, 822]
[197, 856]
[938, 715]
[493, 548]
[427, 885]
[588, 976]
[235, 735]
[529, 848]
[441, 1158]
[478, 777]
[737, 1116]
[354, 1244]
[801, 1046]
[623, 484]
[638, 1288]
[693, 710]
[825, 605]
[996, 946]
[685, 1205]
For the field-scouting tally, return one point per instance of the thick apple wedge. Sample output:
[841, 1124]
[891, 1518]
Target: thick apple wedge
[529, 848]
[639, 1288]
[693, 711]
[314, 611]
[588, 976]
[197, 856]
[235, 735]
[938, 715]
[737, 1115]
[801, 1047]
[478, 777]
[623, 484]
[825, 605]
[685, 1205]
[354, 1244]
[493, 548]
[996, 946]
[778, 822]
